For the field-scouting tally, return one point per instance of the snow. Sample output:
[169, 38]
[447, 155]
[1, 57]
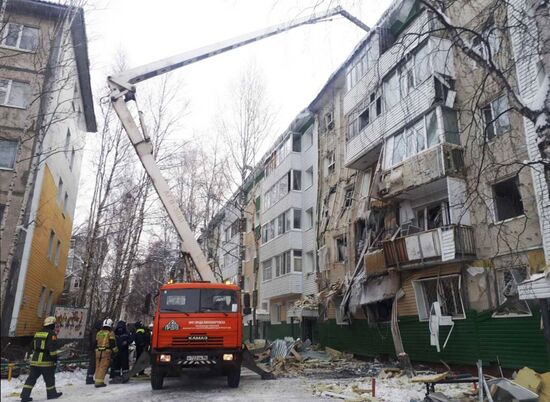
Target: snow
[252, 388]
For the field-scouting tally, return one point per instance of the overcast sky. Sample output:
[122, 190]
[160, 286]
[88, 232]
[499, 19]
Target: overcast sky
[296, 64]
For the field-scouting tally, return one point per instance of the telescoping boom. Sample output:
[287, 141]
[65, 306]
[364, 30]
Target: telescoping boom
[123, 90]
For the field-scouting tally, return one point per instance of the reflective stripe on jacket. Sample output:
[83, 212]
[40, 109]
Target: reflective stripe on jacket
[45, 348]
[106, 340]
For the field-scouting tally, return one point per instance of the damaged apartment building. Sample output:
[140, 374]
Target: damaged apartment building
[431, 219]
[406, 227]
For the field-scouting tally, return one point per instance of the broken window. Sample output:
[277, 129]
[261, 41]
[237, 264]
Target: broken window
[330, 163]
[445, 289]
[496, 117]
[348, 197]
[365, 183]
[364, 119]
[341, 248]
[433, 216]
[329, 120]
[380, 311]
[507, 199]
[508, 297]
[431, 129]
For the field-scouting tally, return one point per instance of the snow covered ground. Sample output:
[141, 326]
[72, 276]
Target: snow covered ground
[252, 388]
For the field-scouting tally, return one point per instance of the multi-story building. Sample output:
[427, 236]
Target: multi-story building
[287, 216]
[46, 109]
[451, 225]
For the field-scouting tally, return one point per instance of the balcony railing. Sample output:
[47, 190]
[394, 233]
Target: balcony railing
[447, 243]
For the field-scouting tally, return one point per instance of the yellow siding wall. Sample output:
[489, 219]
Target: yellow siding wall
[406, 306]
[41, 271]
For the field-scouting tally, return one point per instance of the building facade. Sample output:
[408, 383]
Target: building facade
[426, 216]
[47, 109]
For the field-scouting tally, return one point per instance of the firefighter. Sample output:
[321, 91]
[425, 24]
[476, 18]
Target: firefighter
[91, 364]
[45, 350]
[121, 364]
[142, 338]
[105, 347]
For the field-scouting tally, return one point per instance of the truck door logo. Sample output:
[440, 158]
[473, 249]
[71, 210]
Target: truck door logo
[171, 326]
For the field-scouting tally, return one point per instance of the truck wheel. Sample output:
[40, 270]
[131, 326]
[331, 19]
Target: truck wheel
[234, 377]
[157, 377]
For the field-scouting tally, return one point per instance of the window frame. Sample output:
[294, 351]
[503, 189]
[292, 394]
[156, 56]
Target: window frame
[502, 298]
[16, 146]
[494, 119]
[18, 47]
[496, 216]
[419, 289]
[8, 94]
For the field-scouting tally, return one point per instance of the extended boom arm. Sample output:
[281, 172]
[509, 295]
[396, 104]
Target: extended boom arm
[122, 90]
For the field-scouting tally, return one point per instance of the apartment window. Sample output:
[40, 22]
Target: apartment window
[50, 303]
[330, 162]
[309, 219]
[364, 119]
[407, 78]
[286, 262]
[14, 93]
[296, 142]
[413, 140]
[60, 190]
[296, 179]
[71, 160]
[422, 65]
[76, 283]
[433, 216]
[278, 261]
[307, 138]
[20, 37]
[57, 252]
[507, 199]
[496, 117]
[277, 191]
[266, 269]
[41, 302]
[509, 302]
[341, 248]
[328, 120]
[297, 254]
[51, 243]
[446, 290]
[391, 91]
[277, 316]
[2, 210]
[8, 153]
[65, 203]
[365, 184]
[348, 197]
[297, 219]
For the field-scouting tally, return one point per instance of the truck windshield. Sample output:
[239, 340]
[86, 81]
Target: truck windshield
[199, 301]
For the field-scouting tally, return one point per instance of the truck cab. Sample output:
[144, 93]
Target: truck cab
[197, 326]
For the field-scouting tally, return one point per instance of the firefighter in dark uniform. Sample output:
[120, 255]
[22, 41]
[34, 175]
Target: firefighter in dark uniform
[45, 350]
[142, 338]
[121, 363]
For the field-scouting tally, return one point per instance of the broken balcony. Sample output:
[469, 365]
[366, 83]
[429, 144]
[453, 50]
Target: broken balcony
[429, 166]
[444, 244]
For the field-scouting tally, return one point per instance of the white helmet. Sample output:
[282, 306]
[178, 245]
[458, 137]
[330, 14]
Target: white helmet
[49, 321]
[108, 323]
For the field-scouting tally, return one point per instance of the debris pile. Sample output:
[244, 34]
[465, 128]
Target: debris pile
[535, 382]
